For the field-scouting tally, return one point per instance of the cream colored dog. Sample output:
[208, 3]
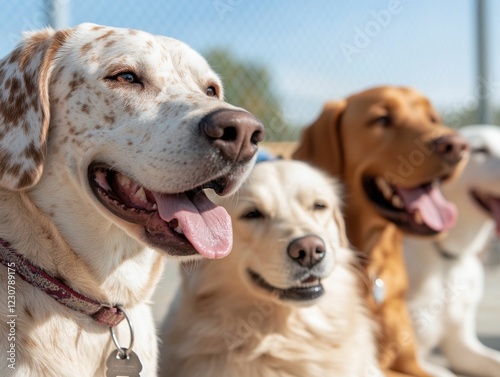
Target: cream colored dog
[286, 301]
[447, 276]
[107, 139]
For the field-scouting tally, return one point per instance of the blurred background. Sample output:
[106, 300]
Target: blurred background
[283, 59]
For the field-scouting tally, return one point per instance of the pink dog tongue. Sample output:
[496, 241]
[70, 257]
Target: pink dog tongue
[437, 213]
[206, 225]
[494, 204]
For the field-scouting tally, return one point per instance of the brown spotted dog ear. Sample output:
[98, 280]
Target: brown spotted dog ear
[25, 108]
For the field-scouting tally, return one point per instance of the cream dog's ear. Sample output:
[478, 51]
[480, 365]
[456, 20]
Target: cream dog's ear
[25, 108]
[320, 144]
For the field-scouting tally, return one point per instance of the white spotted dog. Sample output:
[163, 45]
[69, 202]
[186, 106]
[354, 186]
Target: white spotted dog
[447, 276]
[287, 301]
[108, 139]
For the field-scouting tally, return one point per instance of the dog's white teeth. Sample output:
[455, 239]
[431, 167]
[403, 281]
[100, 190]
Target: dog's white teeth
[154, 207]
[417, 217]
[178, 229]
[397, 202]
[141, 194]
[384, 187]
[124, 180]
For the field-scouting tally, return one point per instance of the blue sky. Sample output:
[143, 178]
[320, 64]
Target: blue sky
[427, 44]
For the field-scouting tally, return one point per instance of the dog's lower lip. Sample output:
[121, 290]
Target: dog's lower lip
[302, 292]
[395, 212]
[482, 198]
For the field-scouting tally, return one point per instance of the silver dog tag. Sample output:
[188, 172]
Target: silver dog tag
[123, 367]
[378, 290]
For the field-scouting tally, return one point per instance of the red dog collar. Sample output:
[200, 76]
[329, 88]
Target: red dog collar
[34, 275]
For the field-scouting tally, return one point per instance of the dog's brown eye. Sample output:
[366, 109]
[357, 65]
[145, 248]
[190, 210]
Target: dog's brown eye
[211, 92]
[433, 119]
[385, 121]
[319, 206]
[252, 214]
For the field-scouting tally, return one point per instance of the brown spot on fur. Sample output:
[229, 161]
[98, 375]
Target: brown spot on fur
[97, 27]
[129, 109]
[27, 179]
[4, 157]
[105, 35]
[109, 119]
[14, 169]
[76, 82]
[28, 312]
[34, 153]
[85, 109]
[109, 44]
[85, 48]
[14, 56]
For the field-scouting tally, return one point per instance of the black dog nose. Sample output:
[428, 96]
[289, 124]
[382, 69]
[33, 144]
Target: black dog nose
[235, 133]
[451, 148]
[307, 251]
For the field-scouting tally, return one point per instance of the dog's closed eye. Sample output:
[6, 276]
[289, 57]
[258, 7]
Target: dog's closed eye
[481, 150]
[385, 121]
[319, 205]
[252, 214]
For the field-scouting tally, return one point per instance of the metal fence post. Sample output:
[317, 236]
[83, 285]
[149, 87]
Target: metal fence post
[483, 77]
[57, 13]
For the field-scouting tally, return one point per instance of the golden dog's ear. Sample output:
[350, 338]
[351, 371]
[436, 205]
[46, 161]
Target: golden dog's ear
[25, 108]
[320, 144]
[339, 219]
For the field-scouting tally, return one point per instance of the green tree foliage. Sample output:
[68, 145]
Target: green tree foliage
[465, 116]
[249, 86]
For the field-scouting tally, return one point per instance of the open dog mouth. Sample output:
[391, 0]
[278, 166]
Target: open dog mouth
[490, 203]
[185, 223]
[420, 210]
[309, 288]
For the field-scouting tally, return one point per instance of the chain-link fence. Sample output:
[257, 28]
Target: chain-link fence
[283, 60]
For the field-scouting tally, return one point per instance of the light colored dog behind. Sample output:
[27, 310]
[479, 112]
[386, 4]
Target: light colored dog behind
[447, 277]
[286, 301]
[107, 138]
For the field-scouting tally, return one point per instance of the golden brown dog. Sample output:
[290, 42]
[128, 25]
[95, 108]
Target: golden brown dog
[389, 147]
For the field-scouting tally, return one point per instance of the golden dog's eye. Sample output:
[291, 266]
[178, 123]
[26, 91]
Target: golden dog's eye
[211, 92]
[385, 121]
[252, 214]
[433, 119]
[319, 206]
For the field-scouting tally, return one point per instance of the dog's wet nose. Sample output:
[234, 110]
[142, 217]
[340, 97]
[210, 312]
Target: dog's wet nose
[307, 251]
[451, 148]
[235, 133]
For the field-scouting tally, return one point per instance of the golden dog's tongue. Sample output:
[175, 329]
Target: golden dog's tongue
[206, 225]
[436, 212]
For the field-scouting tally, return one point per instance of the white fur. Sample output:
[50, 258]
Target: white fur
[445, 293]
